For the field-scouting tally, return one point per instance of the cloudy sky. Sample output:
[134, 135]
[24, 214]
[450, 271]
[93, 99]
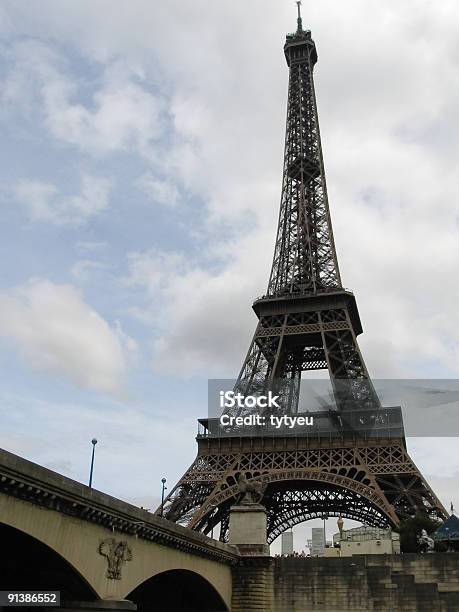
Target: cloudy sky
[140, 168]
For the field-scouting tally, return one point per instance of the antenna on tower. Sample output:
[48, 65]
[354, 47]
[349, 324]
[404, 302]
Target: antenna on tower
[299, 21]
[299, 8]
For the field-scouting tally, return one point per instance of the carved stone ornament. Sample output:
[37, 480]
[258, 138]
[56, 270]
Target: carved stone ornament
[426, 543]
[117, 554]
[250, 492]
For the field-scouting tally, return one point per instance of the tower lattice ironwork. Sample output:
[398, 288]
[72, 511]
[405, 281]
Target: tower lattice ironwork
[355, 463]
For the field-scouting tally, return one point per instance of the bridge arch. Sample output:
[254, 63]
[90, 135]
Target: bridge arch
[178, 590]
[77, 543]
[27, 563]
[65, 536]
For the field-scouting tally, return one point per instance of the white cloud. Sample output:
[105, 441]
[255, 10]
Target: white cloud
[203, 318]
[57, 332]
[120, 113]
[44, 202]
[155, 270]
[159, 191]
[130, 346]
[37, 197]
[123, 115]
[85, 246]
[82, 269]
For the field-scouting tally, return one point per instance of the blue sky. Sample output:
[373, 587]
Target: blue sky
[140, 169]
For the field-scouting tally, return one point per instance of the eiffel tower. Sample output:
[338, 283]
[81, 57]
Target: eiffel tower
[354, 463]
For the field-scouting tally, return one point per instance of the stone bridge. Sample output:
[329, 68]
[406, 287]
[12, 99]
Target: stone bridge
[60, 534]
[106, 555]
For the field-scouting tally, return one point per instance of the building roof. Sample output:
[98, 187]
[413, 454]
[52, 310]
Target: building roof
[449, 530]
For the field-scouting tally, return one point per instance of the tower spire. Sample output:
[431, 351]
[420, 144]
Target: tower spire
[299, 21]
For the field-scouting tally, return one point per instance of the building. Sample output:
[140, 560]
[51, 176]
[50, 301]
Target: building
[287, 543]
[365, 541]
[317, 543]
[448, 534]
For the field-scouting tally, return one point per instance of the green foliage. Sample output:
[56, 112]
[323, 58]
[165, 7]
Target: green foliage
[411, 528]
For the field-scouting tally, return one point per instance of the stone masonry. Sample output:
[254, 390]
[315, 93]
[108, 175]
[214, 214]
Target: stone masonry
[371, 583]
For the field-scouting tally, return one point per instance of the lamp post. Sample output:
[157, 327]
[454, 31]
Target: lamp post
[93, 442]
[163, 481]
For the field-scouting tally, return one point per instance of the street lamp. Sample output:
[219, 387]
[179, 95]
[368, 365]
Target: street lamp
[93, 442]
[163, 480]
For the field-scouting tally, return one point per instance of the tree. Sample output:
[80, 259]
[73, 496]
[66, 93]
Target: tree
[411, 528]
